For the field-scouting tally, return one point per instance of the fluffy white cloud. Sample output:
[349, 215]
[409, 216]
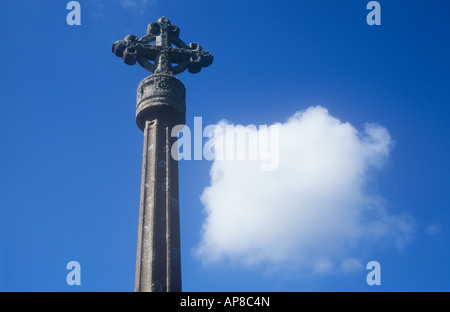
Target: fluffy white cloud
[313, 212]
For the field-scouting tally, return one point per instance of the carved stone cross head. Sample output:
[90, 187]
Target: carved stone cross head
[132, 50]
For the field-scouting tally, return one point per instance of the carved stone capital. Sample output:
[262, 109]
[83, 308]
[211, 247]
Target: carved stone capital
[162, 96]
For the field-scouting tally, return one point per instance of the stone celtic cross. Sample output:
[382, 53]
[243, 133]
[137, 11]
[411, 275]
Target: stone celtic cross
[161, 105]
[133, 50]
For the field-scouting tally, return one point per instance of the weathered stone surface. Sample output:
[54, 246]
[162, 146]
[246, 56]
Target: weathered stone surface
[161, 105]
[159, 95]
[132, 50]
[158, 261]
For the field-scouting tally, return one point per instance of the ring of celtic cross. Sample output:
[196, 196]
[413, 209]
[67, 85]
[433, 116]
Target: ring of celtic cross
[167, 50]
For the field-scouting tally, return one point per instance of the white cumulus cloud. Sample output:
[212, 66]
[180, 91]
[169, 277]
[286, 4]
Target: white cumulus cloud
[313, 212]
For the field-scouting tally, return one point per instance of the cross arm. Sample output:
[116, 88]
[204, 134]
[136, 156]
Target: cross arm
[192, 57]
[131, 49]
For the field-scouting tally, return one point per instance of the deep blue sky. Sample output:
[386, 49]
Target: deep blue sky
[71, 151]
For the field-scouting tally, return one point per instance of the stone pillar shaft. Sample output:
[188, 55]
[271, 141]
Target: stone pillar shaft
[158, 264]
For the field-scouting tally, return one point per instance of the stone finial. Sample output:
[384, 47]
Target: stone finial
[132, 50]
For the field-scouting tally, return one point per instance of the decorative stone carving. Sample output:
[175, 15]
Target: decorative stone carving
[132, 50]
[159, 95]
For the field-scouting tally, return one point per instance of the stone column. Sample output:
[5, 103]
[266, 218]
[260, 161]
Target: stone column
[160, 107]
